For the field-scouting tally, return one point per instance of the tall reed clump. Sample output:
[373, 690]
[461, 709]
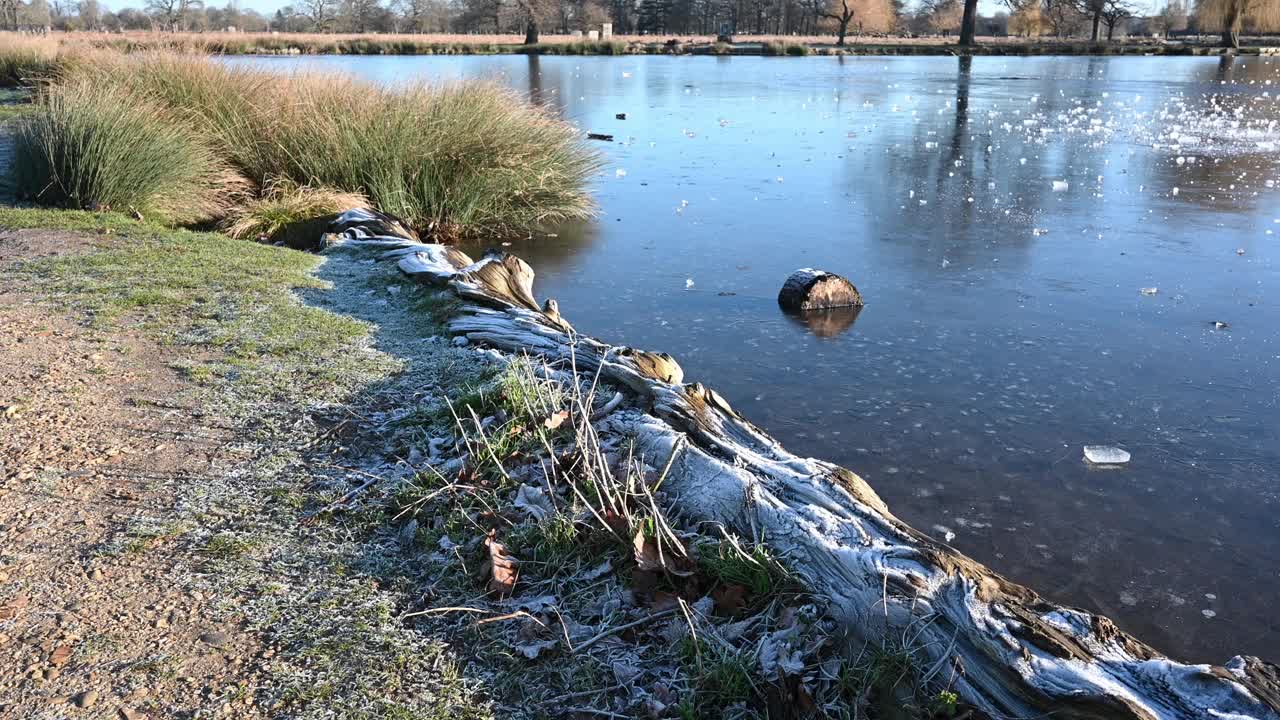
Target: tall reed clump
[92, 146]
[24, 59]
[468, 159]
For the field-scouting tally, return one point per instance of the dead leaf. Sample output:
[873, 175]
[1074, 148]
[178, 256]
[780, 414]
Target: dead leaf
[10, 611]
[60, 655]
[596, 572]
[534, 501]
[648, 559]
[729, 599]
[531, 650]
[503, 567]
[556, 420]
[646, 550]
[616, 523]
[663, 600]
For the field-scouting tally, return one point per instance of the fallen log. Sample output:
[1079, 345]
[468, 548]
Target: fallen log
[1010, 652]
[809, 289]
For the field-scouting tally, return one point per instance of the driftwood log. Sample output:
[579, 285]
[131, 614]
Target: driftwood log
[1011, 653]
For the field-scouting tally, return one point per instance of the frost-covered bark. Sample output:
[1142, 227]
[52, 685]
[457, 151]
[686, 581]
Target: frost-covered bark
[1011, 652]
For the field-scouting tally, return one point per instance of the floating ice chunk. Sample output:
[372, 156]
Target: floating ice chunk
[1060, 185]
[1105, 455]
[1149, 290]
[1175, 192]
[688, 283]
[620, 173]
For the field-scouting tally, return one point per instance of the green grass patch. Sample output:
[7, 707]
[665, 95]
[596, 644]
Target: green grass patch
[721, 679]
[202, 289]
[754, 568]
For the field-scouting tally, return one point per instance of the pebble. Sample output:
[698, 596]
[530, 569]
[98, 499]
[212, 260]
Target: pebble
[86, 699]
[461, 341]
[214, 638]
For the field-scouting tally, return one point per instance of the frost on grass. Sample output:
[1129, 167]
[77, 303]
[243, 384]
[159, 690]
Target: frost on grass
[457, 535]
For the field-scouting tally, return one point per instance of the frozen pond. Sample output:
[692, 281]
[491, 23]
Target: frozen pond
[1002, 217]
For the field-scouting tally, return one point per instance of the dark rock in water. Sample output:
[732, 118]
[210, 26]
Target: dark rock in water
[809, 289]
[599, 136]
[620, 116]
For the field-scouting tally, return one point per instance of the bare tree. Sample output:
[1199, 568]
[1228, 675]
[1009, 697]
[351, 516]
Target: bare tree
[1114, 11]
[1172, 17]
[1230, 16]
[534, 14]
[173, 15]
[842, 12]
[968, 22]
[9, 14]
[358, 15]
[90, 15]
[321, 13]
[1026, 17]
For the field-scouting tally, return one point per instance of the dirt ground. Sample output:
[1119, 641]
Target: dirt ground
[96, 617]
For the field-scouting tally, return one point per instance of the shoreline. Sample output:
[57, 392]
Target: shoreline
[762, 49]
[826, 525]
[308, 44]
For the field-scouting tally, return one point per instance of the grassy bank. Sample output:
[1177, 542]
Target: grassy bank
[186, 140]
[378, 489]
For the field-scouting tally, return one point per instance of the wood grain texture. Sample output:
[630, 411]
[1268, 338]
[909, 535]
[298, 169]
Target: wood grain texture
[809, 289]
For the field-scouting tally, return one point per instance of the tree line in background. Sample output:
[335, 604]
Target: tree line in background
[1095, 19]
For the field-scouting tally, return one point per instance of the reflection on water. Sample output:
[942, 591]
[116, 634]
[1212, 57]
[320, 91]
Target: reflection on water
[826, 323]
[999, 215]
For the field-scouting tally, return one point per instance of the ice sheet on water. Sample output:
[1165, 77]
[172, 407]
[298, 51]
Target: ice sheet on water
[1106, 455]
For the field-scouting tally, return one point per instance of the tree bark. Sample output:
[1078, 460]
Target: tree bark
[531, 32]
[968, 24]
[1007, 650]
[1097, 24]
[1231, 25]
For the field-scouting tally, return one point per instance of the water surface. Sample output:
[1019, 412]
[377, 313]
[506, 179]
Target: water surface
[1001, 216]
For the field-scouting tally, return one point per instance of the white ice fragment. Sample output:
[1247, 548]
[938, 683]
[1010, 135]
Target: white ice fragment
[1175, 192]
[1105, 455]
[688, 283]
[620, 173]
[1149, 290]
[1059, 185]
